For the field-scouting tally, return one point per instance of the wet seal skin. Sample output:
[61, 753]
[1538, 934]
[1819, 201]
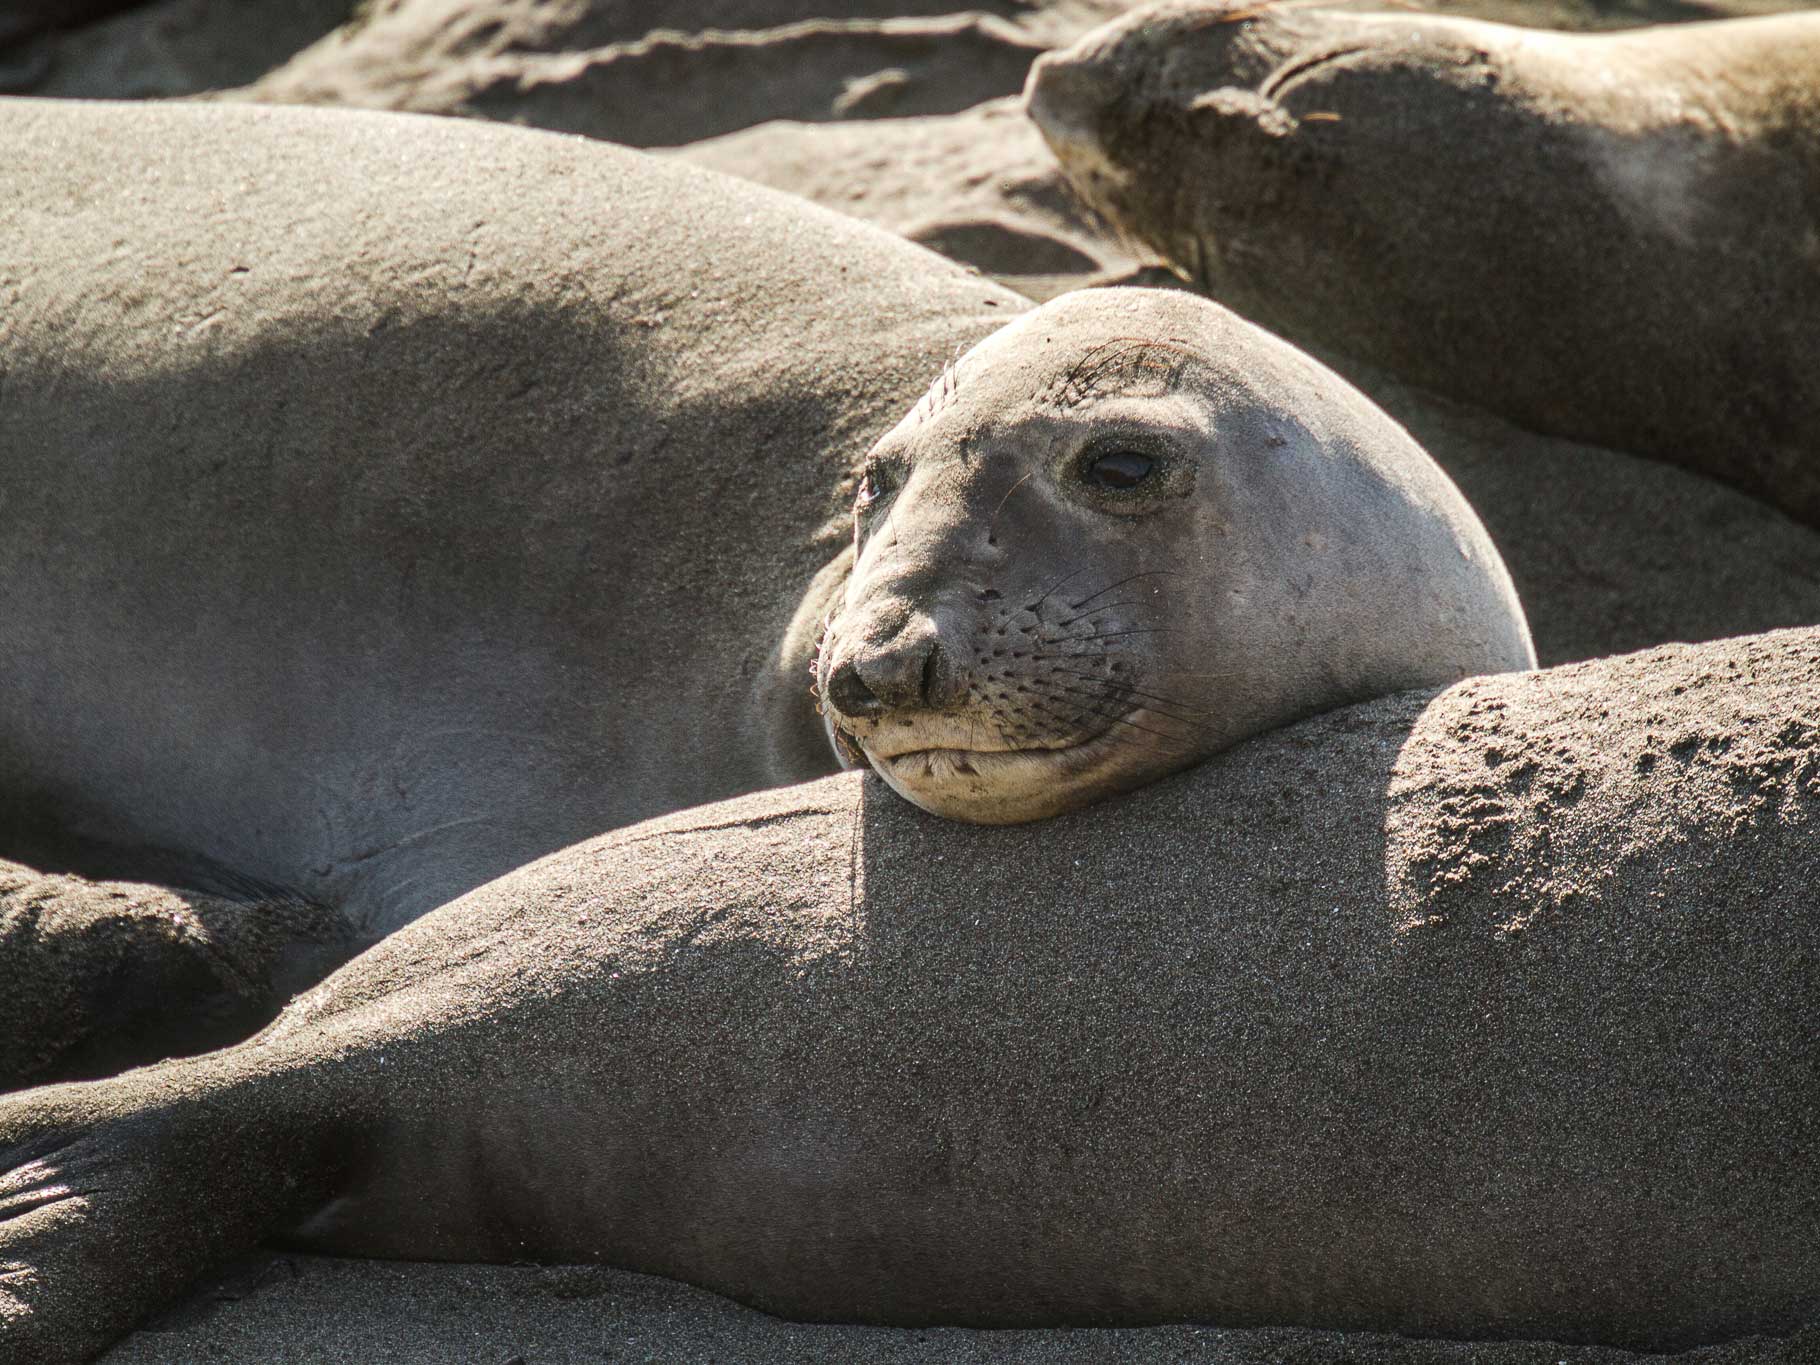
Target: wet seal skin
[1605, 236]
[1125, 532]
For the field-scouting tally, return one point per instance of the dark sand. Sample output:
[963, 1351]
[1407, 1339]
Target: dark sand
[313, 1310]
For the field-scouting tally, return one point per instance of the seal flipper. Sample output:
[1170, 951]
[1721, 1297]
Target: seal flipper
[98, 976]
[115, 1195]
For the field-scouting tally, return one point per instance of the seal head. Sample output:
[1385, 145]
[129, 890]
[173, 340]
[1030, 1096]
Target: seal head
[1125, 532]
[1608, 237]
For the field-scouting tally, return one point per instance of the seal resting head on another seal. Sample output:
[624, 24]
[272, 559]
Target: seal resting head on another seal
[1130, 530]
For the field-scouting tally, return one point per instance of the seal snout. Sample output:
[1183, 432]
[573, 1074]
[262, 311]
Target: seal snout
[849, 695]
[1066, 97]
[902, 673]
[1063, 97]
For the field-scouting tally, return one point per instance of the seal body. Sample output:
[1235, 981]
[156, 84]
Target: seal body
[1478, 1014]
[1605, 236]
[1126, 532]
[26, 18]
[389, 501]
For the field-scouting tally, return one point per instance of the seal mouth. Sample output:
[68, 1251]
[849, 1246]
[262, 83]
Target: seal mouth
[1009, 786]
[941, 761]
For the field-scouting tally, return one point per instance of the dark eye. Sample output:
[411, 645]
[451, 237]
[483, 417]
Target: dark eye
[1118, 469]
[873, 485]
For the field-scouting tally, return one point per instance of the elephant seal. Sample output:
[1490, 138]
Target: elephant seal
[1478, 1014]
[376, 618]
[1125, 532]
[390, 500]
[1604, 236]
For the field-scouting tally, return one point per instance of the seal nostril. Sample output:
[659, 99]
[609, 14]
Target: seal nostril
[848, 693]
[931, 663]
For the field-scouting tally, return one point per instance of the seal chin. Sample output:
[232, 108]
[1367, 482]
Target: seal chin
[1011, 786]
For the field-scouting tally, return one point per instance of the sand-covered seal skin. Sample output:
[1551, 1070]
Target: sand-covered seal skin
[1478, 1014]
[98, 976]
[1604, 236]
[389, 500]
[1125, 532]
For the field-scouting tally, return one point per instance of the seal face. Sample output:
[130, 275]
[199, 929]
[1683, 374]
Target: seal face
[976, 679]
[1128, 531]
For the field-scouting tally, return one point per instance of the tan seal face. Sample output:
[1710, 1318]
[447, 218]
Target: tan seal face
[1128, 531]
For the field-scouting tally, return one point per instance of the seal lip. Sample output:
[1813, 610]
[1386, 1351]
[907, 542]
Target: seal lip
[982, 762]
[1012, 786]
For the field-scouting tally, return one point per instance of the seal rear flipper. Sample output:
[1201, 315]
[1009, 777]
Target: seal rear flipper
[116, 1195]
[98, 976]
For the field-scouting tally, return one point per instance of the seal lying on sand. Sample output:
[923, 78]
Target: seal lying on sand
[1126, 532]
[1605, 236]
[1549, 1068]
[392, 500]
[428, 543]
[389, 501]
[667, 72]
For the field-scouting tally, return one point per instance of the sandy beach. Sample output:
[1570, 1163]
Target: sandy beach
[317, 1310]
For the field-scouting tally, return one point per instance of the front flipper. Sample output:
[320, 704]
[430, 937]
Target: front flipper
[116, 1195]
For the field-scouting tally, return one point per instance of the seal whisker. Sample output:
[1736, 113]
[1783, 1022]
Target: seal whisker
[1114, 634]
[1151, 709]
[1096, 704]
[1171, 701]
[1147, 573]
[1075, 710]
[1110, 606]
[1079, 655]
[1176, 741]
[1168, 357]
[1071, 384]
[1129, 353]
[992, 526]
[1120, 689]
[1032, 606]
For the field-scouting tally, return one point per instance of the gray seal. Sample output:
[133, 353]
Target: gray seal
[1605, 236]
[390, 501]
[387, 502]
[1485, 1014]
[1126, 532]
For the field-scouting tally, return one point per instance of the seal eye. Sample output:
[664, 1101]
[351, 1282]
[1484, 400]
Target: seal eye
[1118, 470]
[873, 485]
